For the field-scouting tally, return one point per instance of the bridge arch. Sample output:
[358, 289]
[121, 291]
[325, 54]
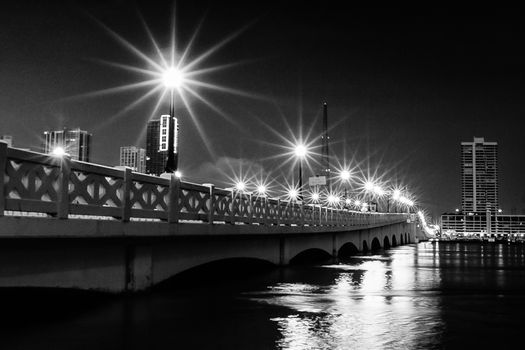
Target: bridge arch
[217, 271]
[386, 243]
[394, 241]
[401, 239]
[312, 255]
[407, 239]
[347, 250]
[375, 244]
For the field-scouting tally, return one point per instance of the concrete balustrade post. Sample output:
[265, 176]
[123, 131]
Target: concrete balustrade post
[250, 209]
[211, 209]
[278, 212]
[3, 165]
[265, 210]
[63, 187]
[232, 209]
[126, 195]
[301, 212]
[173, 205]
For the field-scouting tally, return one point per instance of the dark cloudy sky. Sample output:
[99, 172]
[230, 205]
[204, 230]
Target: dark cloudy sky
[403, 88]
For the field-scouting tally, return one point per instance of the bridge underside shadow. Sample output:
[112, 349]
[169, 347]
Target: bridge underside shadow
[117, 264]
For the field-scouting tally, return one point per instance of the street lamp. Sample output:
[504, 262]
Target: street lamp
[396, 194]
[345, 178]
[240, 186]
[300, 152]
[59, 152]
[173, 78]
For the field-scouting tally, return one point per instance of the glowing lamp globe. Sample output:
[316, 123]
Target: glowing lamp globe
[173, 78]
[261, 189]
[345, 175]
[240, 186]
[369, 186]
[300, 151]
[59, 151]
[396, 194]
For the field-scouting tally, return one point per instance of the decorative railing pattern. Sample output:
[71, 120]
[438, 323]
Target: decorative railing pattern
[63, 188]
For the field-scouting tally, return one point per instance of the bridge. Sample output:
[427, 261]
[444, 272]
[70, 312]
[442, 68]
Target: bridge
[71, 224]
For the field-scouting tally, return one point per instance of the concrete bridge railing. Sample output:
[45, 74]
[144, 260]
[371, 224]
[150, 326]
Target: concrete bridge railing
[65, 188]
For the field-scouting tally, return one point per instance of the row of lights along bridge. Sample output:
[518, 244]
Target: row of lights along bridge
[363, 201]
[174, 79]
[370, 191]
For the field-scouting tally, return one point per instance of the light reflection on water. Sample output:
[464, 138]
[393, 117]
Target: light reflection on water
[419, 296]
[375, 302]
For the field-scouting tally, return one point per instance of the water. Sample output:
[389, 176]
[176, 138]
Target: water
[424, 296]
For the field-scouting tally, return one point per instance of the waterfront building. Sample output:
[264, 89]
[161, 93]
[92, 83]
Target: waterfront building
[157, 144]
[133, 157]
[75, 142]
[481, 224]
[479, 176]
[480, 214]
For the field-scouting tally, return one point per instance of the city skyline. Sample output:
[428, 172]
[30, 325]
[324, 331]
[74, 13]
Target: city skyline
[402, 90]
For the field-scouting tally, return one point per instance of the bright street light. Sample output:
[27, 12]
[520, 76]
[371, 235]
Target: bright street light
[292, 193]
[59, 152]
[345, 175]
[301, 150]
[396, 194]
[261, 190]
[369, 186]
[378, 190]
[173, 78]
[240, 186]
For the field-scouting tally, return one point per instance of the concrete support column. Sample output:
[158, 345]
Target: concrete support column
[139, 267]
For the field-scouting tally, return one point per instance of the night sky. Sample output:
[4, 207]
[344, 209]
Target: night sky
[403, 89]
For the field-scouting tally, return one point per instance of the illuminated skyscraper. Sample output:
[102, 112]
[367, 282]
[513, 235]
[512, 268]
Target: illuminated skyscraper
[157, 144]
[75, 142]
[134, 158]
[479, 176]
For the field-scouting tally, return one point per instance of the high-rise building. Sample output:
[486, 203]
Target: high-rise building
[479, 176]
[157, 144]
[7, 139]
[134, 158]
[75, 142]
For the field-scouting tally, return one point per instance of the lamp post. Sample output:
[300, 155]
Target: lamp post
[369, 187]
[345, 178]
[173, 78]
[300, 152]
[395, 196]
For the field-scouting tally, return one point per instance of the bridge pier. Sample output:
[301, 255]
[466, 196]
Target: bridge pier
[116, 257]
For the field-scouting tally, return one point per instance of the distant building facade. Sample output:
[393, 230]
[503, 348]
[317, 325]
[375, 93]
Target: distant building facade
[75, 142]
[481, 224]
[133, 157]
[479, 176]
[157, 144]
[480, 214]
[7, 139]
